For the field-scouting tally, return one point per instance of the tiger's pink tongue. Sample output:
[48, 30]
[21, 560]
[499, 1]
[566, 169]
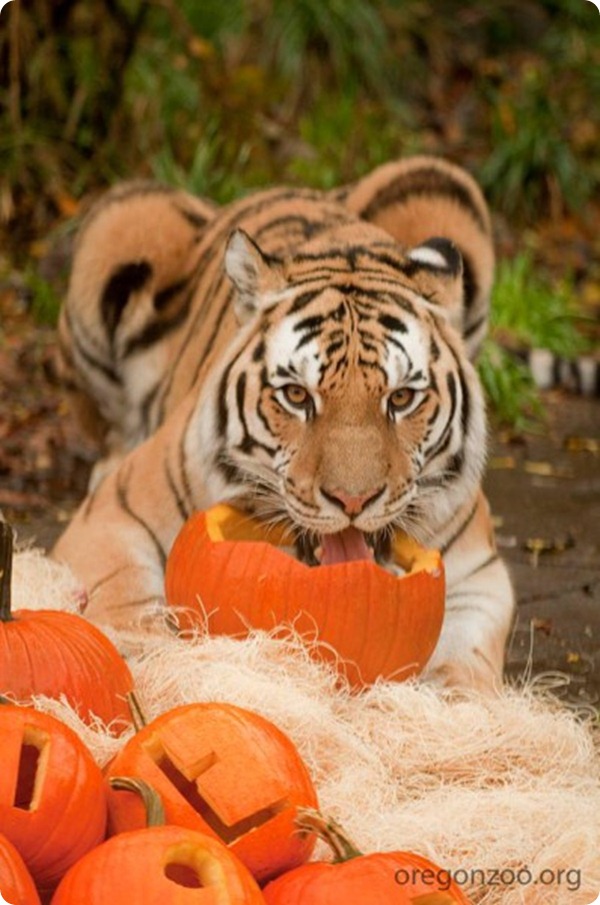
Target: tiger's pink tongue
[345, 546]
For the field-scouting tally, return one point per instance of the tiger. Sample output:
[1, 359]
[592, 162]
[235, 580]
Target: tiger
[305, 355]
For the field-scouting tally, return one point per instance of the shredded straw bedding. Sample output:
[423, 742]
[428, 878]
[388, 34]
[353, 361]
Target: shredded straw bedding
[503, 792]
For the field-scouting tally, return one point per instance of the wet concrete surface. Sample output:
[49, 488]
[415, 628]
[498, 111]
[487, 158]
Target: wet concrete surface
[545, 495]
[544, 489]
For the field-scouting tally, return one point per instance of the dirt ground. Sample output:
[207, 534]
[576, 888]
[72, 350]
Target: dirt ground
[544, 490]
[545, 494]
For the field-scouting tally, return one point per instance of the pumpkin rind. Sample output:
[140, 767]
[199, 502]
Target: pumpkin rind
[53, 653]
[16, 883]
[368, 879]
[379, 624]
[225, 771]
[133, 867]
[52, 794]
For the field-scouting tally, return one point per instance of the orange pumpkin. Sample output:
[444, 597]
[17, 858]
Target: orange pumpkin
[52, 793]
[226, 565]
[54, 653]
[224, 771]
[16, 883]
[158, 865]
[396, 878]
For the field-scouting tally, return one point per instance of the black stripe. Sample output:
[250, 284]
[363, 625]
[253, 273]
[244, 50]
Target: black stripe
[122, 480]
[91, 360]
[193, 217]
[158, 329]
[444, 440]
[392, 323]
[423, 182]
[304, 299]
[183, 510]
[125, 280]
[461, 529]
[162, 298]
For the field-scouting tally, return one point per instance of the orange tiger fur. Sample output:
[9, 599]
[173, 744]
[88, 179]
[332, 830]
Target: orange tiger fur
[307, 364]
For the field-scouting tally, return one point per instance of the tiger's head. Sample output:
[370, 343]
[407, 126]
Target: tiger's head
[346, 400]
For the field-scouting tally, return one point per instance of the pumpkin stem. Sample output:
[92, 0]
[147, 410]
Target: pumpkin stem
[138, 717]
[310, 821]
[6, 557]
[155, 812]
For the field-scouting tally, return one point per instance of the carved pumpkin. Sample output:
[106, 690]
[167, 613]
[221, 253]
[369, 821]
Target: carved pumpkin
[52, 653]
[16, 883]
[227, 566]
[397, 878]
[158, 865]
[224, 771]
[52, 793]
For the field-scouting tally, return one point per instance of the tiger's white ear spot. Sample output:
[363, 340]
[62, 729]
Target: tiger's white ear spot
[437, 254]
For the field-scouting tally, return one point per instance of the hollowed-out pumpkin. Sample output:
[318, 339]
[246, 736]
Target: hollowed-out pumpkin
[396, 878]
[232, 570]
[54, 653]
[16, 883]
[225, 771]
[158, 865]
[52, 793]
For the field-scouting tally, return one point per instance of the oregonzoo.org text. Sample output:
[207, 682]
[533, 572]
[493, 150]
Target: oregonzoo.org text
[570, 878]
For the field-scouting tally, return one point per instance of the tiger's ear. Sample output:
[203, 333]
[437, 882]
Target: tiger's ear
[436, 267]
[255, 277]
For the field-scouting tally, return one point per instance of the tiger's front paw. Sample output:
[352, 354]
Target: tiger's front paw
[475, 674]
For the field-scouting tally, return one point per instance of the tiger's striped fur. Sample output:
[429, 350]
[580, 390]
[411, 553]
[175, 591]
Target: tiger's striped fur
[310, 368]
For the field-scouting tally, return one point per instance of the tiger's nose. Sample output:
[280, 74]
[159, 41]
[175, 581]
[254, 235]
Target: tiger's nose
[352, 504]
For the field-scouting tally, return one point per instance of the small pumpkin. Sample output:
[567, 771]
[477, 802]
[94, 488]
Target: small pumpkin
[158, 865]
[227, 565]
[16, 883]
[396, 878]
[225, 771]
[54, 653]
[52, 793]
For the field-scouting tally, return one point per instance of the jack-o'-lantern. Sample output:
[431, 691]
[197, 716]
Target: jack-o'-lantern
[224, 771]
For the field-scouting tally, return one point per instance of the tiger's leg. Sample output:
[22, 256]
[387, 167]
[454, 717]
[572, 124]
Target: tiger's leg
[118, 540]
[129, 291]
[479, 605]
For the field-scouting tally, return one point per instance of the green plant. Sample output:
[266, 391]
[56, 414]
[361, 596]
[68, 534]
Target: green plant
[528, 311]
[535, 310]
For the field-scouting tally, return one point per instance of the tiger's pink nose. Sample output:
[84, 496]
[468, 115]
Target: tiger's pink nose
[352, 504]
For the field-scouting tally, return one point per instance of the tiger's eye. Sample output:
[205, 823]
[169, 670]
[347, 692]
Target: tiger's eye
[296, 395]
[400, 399]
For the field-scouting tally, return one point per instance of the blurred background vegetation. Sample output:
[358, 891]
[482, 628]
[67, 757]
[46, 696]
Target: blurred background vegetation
[221, 96]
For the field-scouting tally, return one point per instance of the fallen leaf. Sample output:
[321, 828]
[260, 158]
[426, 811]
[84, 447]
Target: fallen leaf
[582, 444]
[547, 470]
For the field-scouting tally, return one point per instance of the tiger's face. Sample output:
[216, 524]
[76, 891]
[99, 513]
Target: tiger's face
[348, 401]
